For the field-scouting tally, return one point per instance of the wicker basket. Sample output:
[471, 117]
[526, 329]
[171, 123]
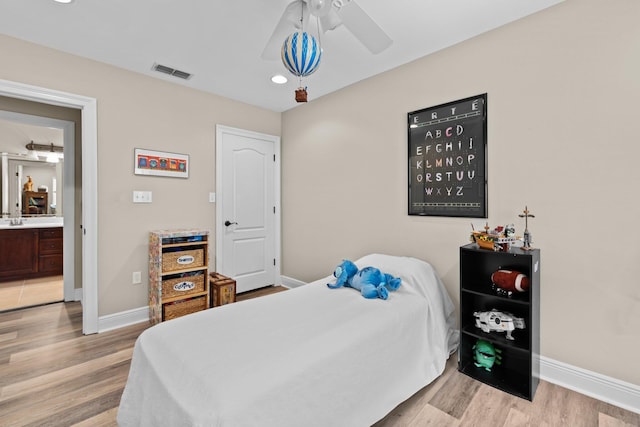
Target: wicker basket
[183, 286]
[183, 307]
[180, 260]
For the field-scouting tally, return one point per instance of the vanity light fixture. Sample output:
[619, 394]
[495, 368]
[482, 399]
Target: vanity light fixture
[49, 150]
[32, 155]
[44, 147]
[52, 158]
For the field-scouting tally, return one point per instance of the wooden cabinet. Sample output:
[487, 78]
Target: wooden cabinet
[178, 273]
[35, 202]
[518, 369]
[50, 251]
[27, 253]
[18, 253]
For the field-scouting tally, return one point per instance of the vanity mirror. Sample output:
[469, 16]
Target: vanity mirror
[31, 170]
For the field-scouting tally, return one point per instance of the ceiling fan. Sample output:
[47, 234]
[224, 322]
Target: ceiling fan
[330, 14]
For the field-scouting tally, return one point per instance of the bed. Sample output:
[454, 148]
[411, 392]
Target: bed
[309, 356]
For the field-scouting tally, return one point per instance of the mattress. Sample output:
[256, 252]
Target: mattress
[309, 356]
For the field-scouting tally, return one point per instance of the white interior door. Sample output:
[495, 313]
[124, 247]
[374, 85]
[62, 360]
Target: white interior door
[247, 237]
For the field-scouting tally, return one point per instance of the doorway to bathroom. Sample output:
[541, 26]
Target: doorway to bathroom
[85, 229]
[37, 182]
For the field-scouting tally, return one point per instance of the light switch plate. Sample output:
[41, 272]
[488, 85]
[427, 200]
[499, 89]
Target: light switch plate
[212, 197]
[142, 197]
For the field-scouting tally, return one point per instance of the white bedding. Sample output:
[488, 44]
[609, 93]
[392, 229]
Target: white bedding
[309, 356]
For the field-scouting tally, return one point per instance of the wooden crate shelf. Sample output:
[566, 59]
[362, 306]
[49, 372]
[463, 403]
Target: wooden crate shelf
[178, 273]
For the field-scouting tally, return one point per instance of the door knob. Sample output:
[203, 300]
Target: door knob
[228, 223]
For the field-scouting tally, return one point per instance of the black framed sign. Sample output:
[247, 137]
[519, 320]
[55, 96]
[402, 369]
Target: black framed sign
[448, 159]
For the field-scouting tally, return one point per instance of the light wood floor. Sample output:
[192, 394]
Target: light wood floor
[52, 375]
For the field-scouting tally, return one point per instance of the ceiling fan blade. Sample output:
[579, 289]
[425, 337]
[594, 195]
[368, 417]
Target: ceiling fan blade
[363, 27]
[289, 21]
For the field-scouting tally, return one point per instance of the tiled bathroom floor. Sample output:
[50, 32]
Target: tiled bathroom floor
[26, 293]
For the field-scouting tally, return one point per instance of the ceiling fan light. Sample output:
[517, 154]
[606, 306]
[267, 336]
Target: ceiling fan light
[330, 21]
[319, 8]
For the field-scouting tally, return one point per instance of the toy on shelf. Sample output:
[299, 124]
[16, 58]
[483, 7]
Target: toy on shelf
[498, 321]
[506, 282]
[28, 186]
[527, 236]
[498, 239]
[486, 355]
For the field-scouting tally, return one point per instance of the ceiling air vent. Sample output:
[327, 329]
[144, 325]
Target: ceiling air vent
[172, 71]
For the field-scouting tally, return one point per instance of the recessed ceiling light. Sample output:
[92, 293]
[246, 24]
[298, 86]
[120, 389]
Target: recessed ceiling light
[279, 79]
[64, 1]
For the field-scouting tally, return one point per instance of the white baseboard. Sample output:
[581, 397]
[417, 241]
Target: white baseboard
[611, 390]
[122, 319]
[77, 294]
[139, 315]
[289, 282]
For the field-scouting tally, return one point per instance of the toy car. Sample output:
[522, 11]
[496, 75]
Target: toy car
[498, 321]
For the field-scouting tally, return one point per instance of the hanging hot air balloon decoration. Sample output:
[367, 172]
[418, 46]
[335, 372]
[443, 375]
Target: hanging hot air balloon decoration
[301, 55]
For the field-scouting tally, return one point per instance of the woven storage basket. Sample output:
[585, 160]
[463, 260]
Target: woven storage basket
[184, 307]
[183, 286]
[172, 261]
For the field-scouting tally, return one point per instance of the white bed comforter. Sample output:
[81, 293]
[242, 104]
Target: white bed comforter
[310, 356]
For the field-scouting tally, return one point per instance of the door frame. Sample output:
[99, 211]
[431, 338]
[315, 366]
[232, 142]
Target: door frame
[89, 220]
[221, 130]
[68, 190]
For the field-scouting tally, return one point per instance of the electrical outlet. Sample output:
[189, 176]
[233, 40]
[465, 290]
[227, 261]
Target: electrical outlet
[136, 278]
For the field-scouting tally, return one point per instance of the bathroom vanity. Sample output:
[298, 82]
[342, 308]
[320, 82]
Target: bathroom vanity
[28, 251]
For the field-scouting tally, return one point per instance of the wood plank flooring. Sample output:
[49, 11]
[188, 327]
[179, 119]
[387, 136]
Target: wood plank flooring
[52, 375]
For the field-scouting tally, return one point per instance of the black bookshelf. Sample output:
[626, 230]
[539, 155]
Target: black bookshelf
[518, 372]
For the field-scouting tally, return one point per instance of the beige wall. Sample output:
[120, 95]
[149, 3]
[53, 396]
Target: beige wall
[562, 100]
[563, 89]
[138, 111]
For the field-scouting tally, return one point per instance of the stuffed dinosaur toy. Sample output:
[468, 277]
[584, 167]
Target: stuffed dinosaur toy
[370, 281]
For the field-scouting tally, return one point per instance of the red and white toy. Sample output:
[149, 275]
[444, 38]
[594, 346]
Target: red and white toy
[510, 280]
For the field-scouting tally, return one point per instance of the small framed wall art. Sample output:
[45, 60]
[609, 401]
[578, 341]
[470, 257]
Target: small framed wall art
[159, 163]
[448, 159]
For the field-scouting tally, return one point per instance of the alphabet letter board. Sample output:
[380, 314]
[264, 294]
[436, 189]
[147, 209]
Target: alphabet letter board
[448, 159]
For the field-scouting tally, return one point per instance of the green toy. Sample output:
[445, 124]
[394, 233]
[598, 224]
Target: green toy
[486, 355]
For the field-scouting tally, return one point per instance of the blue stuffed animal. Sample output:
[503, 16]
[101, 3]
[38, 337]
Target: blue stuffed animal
[344, 273]
[370, 281]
